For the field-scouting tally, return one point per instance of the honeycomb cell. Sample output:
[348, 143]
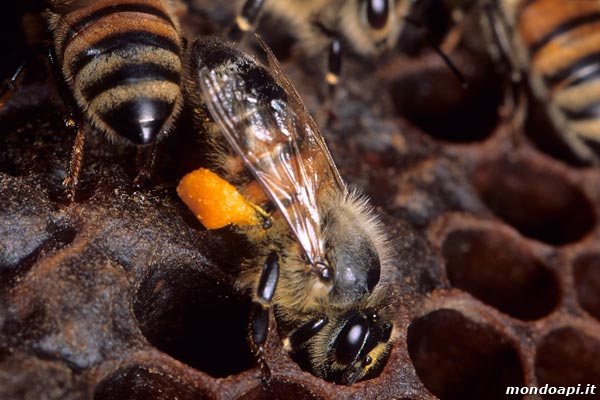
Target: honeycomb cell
[142, 382]
[499, 271]
[457, 358]
[568, 357]
[455, 114]
[195, 318]
[538, 202]
[586, 270]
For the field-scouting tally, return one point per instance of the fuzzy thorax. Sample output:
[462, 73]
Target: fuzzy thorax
[355, 248]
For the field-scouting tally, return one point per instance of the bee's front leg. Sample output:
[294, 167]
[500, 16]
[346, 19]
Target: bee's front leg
[259, 322]
[334, 66]
[332, 78]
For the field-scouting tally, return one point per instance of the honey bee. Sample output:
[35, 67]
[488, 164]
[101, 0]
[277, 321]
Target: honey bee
[366, 27]
[322, 260]
[118, 65]
[556, 43]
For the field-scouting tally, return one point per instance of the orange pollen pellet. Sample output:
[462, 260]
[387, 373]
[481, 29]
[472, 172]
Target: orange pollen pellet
[215, 202]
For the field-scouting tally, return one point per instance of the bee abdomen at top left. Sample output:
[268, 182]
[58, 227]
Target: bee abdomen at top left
[123, 62]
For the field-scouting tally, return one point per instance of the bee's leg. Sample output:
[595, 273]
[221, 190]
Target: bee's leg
[70, 182]
[73, 122]
[301, 335]
[246, 19]
[145, 164]
[439, 51]
[517, 102]
[259, 323]
[334, 66]
[500, 35]
[9, 85]
[332, 78]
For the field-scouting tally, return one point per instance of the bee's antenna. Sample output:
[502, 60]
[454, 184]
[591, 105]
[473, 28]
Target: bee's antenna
[431, 42]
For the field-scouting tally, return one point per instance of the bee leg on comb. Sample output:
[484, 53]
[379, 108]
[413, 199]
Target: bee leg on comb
[72, 178]
[245, 20]
[259, 323]
[144, 165]
[9, 85]
[72, 122]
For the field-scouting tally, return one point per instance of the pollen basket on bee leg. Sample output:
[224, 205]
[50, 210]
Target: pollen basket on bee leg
[215, 202]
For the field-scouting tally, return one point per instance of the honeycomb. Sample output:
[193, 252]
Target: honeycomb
[123, 295]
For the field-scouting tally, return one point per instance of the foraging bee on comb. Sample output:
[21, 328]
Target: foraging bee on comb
[118, 66]
[321, 259]
[554, 44]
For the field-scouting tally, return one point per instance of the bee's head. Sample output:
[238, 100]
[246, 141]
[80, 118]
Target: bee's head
[347, 349]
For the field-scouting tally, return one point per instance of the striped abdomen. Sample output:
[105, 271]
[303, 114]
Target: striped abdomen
[562, 40]
[122, 60]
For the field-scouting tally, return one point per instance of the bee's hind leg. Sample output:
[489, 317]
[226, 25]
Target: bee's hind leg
[259, 321]
[246, 19]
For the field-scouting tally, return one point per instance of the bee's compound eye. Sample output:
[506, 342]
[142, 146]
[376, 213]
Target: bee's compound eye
[377, 13]
[351, 339]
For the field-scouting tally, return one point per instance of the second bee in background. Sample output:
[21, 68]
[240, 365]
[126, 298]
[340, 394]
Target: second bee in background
[555, 44]
[363, 27]
[118, 66]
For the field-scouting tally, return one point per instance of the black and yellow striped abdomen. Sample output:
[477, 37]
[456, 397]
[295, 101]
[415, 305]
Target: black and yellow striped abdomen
[562, 42]
[122, 60]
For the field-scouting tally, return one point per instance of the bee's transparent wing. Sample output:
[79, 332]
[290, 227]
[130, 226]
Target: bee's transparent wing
[295, 102]
[281, 146]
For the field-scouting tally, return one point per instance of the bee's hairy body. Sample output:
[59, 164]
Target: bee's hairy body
[347, 237]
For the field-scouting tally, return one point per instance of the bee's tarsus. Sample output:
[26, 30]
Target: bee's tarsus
[259, 330]
[264, 368]
[70, 182]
